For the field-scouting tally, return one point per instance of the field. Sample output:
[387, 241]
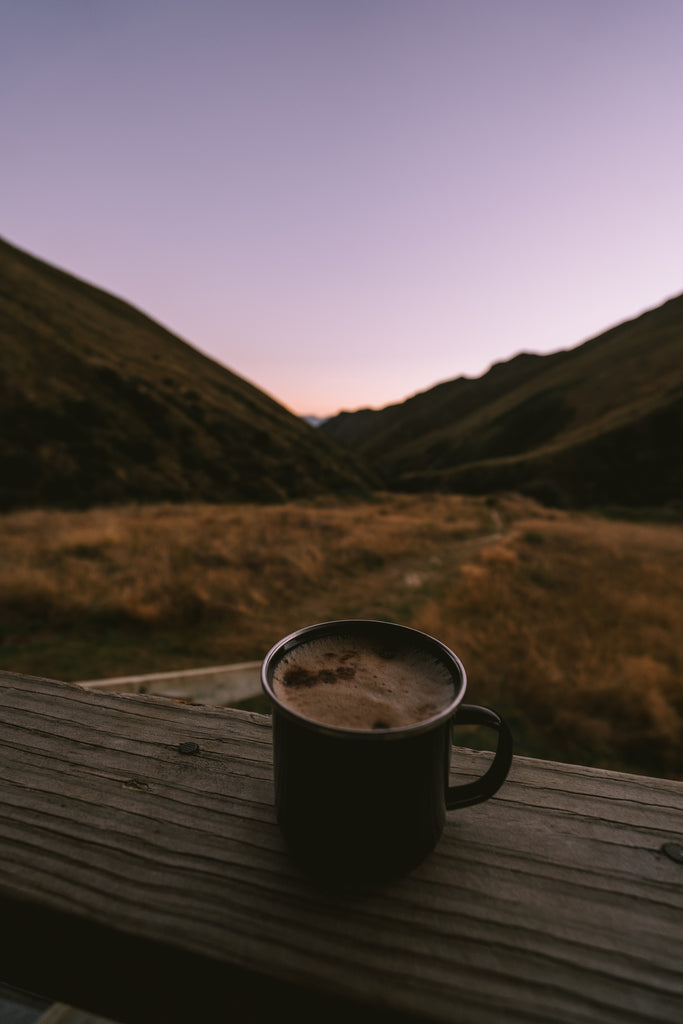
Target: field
[569, 624]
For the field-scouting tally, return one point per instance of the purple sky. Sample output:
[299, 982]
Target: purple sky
[347, 201]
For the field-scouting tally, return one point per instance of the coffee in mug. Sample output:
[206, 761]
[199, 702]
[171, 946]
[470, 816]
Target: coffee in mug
[362, 718]
[354, 682]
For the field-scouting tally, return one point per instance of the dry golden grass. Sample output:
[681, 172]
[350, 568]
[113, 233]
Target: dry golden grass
[569, 624]
[573, 626]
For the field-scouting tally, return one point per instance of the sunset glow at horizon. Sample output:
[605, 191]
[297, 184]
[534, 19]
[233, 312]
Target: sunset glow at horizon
[348, 203]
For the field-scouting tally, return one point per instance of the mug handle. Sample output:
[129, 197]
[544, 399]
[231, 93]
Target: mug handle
[491, 781]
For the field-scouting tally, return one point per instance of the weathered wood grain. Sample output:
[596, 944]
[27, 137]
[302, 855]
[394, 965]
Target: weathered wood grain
[150, 885]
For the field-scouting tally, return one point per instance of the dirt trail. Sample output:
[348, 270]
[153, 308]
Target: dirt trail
[454, 552]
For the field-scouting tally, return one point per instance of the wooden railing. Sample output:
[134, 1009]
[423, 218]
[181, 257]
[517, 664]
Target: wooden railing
[143, 877]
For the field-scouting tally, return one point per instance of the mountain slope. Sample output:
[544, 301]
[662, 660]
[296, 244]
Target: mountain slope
[99, 404]
[600, 423]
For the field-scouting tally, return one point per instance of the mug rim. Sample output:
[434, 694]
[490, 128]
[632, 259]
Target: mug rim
[360, 627]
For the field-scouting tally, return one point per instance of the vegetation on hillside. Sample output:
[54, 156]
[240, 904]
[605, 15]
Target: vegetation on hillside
[101, 405]
[569, 624]
[594, 425]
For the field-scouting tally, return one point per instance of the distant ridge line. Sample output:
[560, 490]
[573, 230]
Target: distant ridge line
[589, 426]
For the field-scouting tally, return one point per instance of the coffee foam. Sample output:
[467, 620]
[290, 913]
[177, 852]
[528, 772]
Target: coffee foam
[355, 683]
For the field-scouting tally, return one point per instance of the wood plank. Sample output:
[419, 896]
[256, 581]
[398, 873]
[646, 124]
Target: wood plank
[146, 884]
[219, 685]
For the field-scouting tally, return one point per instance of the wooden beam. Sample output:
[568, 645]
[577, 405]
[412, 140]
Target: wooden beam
[218, 685]
[147, 884]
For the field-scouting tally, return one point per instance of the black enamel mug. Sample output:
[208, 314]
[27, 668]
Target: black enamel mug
[362, 806]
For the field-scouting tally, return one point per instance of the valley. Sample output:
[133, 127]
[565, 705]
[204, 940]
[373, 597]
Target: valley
[568, 623]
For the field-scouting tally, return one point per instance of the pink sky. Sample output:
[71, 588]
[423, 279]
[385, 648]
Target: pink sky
[347, 202]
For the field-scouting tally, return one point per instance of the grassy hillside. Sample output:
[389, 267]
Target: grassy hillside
[100, 404]
[567, 623]
[599, 424]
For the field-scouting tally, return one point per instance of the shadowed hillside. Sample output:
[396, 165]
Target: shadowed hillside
[100, 405]
[599, 424]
